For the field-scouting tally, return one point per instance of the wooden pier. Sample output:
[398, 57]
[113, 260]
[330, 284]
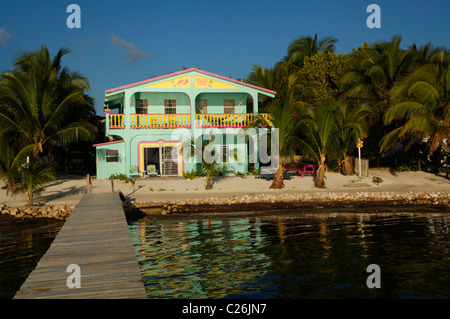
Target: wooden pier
[96, 238]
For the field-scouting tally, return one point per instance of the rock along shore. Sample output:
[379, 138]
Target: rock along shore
[58, 212]
[247, 202]
[282, 201]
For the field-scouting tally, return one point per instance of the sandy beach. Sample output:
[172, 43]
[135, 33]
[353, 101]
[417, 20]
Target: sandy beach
[68, 190]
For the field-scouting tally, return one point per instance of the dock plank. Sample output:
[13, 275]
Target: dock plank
[96, 238]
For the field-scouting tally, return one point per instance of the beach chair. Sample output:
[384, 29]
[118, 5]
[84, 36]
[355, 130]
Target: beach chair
[151, 170]
[134, 172]
[301, 169]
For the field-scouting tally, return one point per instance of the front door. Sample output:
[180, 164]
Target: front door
[169, 161]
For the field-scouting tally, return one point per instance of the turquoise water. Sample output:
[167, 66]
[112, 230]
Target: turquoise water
[295, 254]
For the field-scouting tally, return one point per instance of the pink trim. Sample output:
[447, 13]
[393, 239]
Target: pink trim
[113, 142]
[157, 142]
[236, 81]
[221, 126]
[107, 111]
[164, 127]
[149, 80]
[189, 70]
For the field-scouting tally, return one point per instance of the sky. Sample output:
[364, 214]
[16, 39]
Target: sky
[122, 42]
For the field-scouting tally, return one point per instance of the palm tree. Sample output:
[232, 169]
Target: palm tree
[34, 177]
[318, 137]
[11, 156]
[39, 103]
[350, 126]
[421, 104]
[287, 115]
[195, 149]
[269, 78]
[374, 72]
[307, 47]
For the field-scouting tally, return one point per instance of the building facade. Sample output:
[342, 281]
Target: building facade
[147, 121]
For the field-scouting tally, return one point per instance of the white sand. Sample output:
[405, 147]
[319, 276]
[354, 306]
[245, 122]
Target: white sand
[70, 189]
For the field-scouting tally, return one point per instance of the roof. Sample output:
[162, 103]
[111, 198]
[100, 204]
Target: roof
[106, 143]
[187, 71]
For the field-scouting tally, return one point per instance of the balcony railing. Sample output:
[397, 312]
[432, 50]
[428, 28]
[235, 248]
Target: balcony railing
[162, 121]
[116, 121]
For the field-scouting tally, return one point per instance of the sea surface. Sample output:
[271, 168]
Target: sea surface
[22, 244]
[296, 254]
[273, 255]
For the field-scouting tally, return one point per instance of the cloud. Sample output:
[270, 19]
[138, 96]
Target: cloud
[132, 53]
[4, 37]
[84, 44]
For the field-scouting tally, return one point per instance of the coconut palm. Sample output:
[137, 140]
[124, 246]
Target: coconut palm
[307, 47]
[318, 137]
[205, 151]
[421, 104]
[351, 125]
[11, 156]
[287, 115]
[40, 103]
[34, 177]
[374, 72]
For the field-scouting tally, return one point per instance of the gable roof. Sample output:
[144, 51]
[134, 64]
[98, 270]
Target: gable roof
[188, 71]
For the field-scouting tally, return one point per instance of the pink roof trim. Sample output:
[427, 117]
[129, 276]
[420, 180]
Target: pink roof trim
[113, 142]
[185, 71]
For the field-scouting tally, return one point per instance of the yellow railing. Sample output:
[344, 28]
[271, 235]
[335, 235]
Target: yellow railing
[160, 120]
[226, 120]
[183, 120]
[116, 121]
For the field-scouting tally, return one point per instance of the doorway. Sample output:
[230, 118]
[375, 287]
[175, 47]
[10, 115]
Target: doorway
[165, 158]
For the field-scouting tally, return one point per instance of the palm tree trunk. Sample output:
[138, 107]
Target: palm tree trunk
[30, 196]
[320, 179]
[347, 167]
[278, 177]
[208, 177]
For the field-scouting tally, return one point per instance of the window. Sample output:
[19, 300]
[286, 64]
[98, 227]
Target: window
[170, 106]
[141, 106]
[201, 106]
[228, 106]
[112, 156]
[224, 149]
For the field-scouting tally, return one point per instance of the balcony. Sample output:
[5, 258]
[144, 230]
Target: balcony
[168, 121]
[157, 121]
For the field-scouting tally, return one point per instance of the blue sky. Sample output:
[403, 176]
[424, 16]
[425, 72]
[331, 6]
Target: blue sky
[121, 42]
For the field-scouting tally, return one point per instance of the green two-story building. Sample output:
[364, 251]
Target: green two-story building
[146, 122]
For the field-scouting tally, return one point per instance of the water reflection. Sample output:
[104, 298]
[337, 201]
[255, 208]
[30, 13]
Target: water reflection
[21, 247]
[295, 255]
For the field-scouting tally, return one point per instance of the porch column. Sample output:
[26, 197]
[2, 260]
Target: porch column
[255, 114]
[126, 110]
[107, 121]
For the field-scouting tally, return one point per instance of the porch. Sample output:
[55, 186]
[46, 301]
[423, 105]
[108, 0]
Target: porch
[170, 121]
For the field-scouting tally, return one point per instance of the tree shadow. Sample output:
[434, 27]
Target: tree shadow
[219, 178]
[393, 172]
[135, 190]
[73, 190]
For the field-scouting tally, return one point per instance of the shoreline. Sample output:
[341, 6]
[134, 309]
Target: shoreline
[234, 193]
[439, 200]
[247, 203]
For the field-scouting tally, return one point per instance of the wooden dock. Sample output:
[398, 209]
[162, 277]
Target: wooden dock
[96, 238]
